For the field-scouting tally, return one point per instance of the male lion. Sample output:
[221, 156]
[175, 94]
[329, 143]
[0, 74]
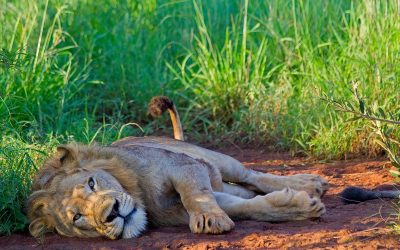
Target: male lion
[114, 191]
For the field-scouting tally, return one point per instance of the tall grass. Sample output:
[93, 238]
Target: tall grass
[18, 161]
[222, 82]
[240, 71]
[267, 90]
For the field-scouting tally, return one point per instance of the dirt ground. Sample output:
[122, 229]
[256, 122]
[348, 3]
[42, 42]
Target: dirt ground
[356, 226]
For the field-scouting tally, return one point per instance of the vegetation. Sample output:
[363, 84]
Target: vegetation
[244, 71]
[383, 124]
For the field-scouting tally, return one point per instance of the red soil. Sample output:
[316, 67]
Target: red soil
[364, 225]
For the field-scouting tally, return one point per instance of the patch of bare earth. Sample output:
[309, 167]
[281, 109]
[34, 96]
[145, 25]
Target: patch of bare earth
[359, 226]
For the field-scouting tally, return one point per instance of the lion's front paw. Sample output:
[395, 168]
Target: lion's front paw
[213, 223]
[314, 185]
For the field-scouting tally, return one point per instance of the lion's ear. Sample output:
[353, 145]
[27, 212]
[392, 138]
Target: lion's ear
[38, 227]
[38, 203]
[67, 153]
[39, 213]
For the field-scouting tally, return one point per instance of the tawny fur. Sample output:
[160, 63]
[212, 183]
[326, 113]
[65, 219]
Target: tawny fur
[176, 183]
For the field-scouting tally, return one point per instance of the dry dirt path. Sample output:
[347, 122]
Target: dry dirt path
[360, 226]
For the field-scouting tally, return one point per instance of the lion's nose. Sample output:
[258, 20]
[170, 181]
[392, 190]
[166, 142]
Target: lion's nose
[114, 212]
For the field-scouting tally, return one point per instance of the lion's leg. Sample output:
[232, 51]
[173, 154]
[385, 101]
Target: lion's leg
[284, 205]
[238, 190]
[262, 182]
[314, 185]
[194, 187]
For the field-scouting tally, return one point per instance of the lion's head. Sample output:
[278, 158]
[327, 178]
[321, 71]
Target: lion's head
[86, 192]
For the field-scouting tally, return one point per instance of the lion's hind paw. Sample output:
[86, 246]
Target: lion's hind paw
[314, 185]
[289, 204]
[308, 207]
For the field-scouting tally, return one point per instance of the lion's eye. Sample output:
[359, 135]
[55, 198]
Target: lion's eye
[77, 216]
[91, 183]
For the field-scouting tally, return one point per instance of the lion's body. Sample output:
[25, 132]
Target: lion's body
[157, 161]
[89, 191]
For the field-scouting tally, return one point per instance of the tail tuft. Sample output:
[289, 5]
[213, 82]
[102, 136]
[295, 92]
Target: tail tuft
[352, 195]
[158, 105]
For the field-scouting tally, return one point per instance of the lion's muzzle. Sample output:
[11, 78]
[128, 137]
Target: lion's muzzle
[114, 212]
[117, 215]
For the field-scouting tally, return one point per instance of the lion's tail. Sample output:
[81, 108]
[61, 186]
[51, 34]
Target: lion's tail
[158, 105]
[355, 195]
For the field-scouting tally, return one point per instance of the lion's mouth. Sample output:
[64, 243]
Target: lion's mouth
[129, 216]
[127, 220]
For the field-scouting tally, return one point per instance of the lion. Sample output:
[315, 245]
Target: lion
[116, 191]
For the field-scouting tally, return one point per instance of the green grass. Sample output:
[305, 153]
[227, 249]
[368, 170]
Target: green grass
[245, 72]
[18, 161]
